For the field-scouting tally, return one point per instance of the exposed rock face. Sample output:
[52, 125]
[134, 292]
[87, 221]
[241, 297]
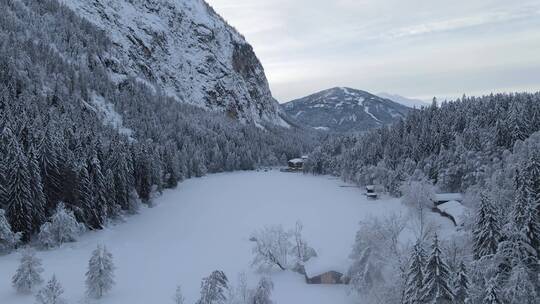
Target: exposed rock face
[183, 48]
[344, 110]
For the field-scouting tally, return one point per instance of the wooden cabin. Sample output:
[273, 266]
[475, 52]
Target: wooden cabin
[330, 277]
[442, 198]
[370, 192]
[296, 164]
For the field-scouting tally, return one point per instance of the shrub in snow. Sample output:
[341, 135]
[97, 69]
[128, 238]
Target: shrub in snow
[28, 274]
[419, 195]
[62, 228]
[51, 293]
[214, 289]
[263, 291]
[272, 247]
[100, 274]
[8, 239]
[178, 296]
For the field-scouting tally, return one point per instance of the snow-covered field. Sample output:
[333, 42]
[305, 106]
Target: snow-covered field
[205, 225]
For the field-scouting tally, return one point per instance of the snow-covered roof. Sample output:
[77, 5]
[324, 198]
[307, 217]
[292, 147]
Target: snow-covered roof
[446, 197]
[370, 187]
[455, 209]
[296, 161]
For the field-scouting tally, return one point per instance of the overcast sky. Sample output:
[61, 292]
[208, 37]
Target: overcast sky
[415, 48]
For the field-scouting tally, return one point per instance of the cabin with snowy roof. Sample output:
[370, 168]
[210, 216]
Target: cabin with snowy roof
[442, 198]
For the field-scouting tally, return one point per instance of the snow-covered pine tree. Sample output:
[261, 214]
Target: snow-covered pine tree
[263, 292]
[8, 238]
[436, 285]
[100, 274]
[531, 177]
[51, 293]
[101, 201]
[214, 288]
[519, 125]
[20, 209]
[62, 228]
[461, 285]
[28, 274]
[486, 233]
[178, 296]
[519, 232]
[36, 186]
[48, 155]
[86, 202]
[492, 293]
[520, 289]
[415, 276]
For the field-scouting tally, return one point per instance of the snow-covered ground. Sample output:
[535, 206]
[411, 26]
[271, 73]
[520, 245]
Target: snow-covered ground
[205, 225]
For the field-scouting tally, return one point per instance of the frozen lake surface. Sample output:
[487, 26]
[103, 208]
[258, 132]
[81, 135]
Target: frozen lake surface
[204, 225]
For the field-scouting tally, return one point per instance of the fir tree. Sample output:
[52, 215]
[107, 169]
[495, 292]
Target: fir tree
[100, 274]
[51, 293]
[28, 274]
[486, 233]
[87, 207]
[436, 284]
[415, 276]
[461, 285]
[492, 296]
[214, 288]
[20, 210]
[36, 185]
[101, 197]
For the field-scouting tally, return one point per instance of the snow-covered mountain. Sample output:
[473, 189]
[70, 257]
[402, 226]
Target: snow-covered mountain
[344, 110]
[409, 102]
[185, 49]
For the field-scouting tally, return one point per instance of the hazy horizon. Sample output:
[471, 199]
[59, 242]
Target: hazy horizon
[417, 49]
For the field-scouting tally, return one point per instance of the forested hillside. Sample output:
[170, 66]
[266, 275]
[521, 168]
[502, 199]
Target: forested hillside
[70, 134]
[488, 148]
[457, 145]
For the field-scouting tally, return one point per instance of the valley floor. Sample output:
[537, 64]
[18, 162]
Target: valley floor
[204, 225]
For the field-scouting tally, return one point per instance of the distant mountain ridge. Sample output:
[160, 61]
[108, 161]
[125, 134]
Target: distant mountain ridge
[344, 110]
[409, 102]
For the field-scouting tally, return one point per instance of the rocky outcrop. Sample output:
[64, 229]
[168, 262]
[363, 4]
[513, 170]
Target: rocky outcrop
[184, 49]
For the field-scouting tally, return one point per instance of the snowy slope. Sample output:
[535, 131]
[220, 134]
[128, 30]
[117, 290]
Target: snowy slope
[183, 48]
[193, 231]
[344, 110]
[409, 102]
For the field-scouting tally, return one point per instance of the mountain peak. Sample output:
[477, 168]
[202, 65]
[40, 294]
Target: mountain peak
[343, 109]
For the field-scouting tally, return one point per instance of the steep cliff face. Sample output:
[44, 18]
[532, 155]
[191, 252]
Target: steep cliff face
[183, 48]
